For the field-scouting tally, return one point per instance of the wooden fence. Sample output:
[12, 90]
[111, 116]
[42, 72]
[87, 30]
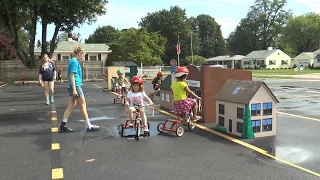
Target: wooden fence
[14, 70]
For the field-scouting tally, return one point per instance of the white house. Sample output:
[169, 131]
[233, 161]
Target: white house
[271, 58]
[316, 55]
[63, 52]
[225, 60]
[303, 59]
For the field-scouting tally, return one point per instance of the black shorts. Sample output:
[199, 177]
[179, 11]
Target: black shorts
[49, 80]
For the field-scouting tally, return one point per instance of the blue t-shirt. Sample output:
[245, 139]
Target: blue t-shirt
[47, 71]
[74, 67]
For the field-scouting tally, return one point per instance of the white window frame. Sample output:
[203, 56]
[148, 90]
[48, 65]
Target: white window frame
[63, 56]
[89, 57]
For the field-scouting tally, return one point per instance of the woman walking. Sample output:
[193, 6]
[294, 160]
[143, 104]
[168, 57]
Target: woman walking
[47, 72]
[74, 76]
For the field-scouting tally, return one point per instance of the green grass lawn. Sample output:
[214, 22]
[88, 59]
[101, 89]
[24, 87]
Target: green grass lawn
[282, 71]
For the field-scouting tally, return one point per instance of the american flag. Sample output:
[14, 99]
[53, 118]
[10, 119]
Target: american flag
[178, 48]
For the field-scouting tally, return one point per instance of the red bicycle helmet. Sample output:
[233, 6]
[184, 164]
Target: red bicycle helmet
[136, 79]
[180, 71]
[160, 74]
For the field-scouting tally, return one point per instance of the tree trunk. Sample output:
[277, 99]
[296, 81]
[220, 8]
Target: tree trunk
[53, 40]
[9, 20]
[44, 23]
[32, 33]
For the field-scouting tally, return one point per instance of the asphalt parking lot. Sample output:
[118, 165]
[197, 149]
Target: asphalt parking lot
[26, 141]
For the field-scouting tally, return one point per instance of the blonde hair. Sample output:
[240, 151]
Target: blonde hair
[77, 50]
[42, 57]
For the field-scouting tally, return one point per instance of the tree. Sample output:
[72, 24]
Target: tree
[302, 33]
[212, 42]
[16, 16]
[260, 28]
[138, 45]
[247, 131]
[244, 38]
[103, 34]
[270, 17]
[65, 15]
[7, 50]
[197, 60]
[63, 36]
[171, 24]
[78, 14]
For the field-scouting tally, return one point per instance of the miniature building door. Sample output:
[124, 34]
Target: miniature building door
[230, 125]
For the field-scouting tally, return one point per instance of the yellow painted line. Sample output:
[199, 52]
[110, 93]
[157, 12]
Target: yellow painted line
[53, 112]
[261, 151]
[54, 130]
[298, 116]
[53, 118]
[55, 146]
[3, 85]
[57, 173]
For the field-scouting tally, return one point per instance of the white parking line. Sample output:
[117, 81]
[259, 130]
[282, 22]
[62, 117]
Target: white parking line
[97, 86]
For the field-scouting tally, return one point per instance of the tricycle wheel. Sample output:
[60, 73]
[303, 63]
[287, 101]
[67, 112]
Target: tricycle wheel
[160, 126]
[179, 131]
[121, 130]
[137, 130]
[191, 123]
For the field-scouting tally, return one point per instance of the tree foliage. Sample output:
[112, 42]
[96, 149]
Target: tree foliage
[302, 33]
[261, 27]
[103, 34]
[138, 45]
[171, 24]
[65, 15]
[7, 50]
[212, 42]
[197, 60]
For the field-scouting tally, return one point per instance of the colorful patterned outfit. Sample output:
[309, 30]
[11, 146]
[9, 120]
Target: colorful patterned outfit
[182, 104]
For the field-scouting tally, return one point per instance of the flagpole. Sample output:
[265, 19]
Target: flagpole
[179, 52]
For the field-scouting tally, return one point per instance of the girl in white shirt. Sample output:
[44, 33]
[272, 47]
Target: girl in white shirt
[136, 99]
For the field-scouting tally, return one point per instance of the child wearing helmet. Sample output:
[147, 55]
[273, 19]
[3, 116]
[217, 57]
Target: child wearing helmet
[180, 89]
[157, 81]
[135, 98]
[121, 83]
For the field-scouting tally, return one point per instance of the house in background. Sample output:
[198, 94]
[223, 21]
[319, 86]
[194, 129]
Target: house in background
[316, 55]
[64, 50]
[272, 58]
[230, 106]
[303, 59]
[228, 60]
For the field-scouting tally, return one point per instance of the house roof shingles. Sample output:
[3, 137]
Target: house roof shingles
[226, 58]
[309, 54]
[70, 45]
[166, 84]
[261, 54]
[239, 91]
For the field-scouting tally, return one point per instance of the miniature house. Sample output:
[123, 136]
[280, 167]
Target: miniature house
[230, 106]
[166, 97]
[206, 83]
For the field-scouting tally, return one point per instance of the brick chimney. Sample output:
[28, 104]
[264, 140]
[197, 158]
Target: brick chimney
[69, 36]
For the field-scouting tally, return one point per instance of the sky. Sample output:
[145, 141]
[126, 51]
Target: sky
[228, 13]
